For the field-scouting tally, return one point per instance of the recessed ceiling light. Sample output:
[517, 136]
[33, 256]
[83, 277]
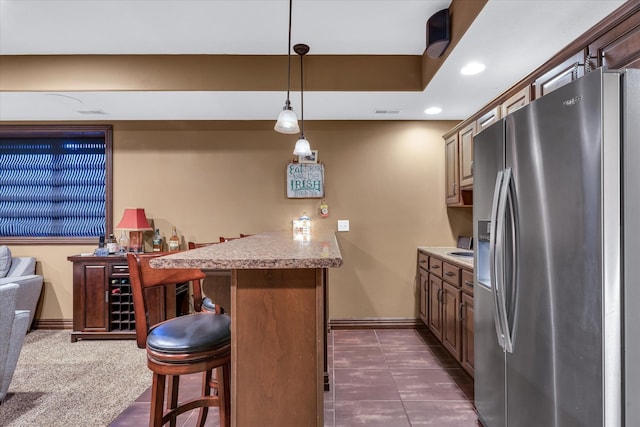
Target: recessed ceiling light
[433, 110]
[472, 68]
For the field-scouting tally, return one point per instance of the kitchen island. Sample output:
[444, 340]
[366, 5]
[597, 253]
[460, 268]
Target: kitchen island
[277, 322]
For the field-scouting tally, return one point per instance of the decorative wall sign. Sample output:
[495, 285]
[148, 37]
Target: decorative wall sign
[305, 180]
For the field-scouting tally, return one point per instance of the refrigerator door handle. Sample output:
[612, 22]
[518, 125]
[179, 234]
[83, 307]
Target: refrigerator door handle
[493, 258]
[506, 199]
[513, 266]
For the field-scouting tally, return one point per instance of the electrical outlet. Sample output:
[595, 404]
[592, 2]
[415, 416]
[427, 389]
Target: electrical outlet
[343, 225]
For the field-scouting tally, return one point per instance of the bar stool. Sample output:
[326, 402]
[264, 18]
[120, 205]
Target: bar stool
[183, 345]
[199, 300]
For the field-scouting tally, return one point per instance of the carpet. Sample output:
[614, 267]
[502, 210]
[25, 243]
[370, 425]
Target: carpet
[86, 383]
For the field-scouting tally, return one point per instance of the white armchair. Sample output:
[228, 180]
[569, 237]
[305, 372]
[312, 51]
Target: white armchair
[13, 328]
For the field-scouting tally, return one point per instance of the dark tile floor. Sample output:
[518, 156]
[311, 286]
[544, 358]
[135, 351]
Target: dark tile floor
[382, 377]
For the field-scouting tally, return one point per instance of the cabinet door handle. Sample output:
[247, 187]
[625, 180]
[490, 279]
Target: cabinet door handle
[439, 296]
[461, 311]
[106, 296]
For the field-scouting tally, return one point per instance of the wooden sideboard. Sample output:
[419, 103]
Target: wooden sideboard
[102, 300]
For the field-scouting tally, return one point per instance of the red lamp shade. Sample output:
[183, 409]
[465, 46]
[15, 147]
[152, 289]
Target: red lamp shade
[134, 219]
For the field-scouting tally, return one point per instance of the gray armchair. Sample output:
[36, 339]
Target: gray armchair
[22, 271]
[13, 328]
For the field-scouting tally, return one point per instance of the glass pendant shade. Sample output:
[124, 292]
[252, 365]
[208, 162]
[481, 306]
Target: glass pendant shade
[302, 147]
[287, 122]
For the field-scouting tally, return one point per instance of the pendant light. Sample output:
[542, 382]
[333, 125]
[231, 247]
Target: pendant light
[302, 147]
[287, 119]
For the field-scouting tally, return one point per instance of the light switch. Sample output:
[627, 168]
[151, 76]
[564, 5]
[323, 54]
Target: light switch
[343, 225]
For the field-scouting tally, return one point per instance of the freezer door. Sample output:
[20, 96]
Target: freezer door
[554, 148]
[489, 362]
[631, 156]
[489, 358]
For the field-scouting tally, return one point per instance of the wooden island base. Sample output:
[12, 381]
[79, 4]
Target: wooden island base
[277, 374]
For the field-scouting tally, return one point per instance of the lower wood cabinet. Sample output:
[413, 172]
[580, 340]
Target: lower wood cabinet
[466, 354]
[435, 306]
[451, 329]
[423, 276]
[446, 305]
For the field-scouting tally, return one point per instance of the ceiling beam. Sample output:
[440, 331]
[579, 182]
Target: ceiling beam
[374, 73]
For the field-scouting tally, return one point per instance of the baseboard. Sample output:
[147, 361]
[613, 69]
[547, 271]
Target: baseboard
[336, 323]
[53, 324]
[376, 323]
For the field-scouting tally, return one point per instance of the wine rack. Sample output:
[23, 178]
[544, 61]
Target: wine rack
[121, 313]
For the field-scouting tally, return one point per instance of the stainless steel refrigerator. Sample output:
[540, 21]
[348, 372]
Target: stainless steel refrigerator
[557, 278]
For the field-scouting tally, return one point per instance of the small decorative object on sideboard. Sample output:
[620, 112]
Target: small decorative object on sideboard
[123, 243]
[174, 240]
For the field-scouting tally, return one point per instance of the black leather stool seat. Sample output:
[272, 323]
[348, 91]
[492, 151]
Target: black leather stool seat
[193, 333]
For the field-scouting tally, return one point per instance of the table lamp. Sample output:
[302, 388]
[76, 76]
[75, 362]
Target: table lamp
[134, 220]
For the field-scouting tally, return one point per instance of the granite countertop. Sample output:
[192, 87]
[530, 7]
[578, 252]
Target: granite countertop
[443, 252]
[273, 249]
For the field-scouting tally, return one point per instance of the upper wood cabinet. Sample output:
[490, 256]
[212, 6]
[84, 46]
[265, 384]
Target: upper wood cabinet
[465, 140]
[566, 72]
[619, 47]
[456, 196]
[487, 119]
[452, 187]
[516, 101]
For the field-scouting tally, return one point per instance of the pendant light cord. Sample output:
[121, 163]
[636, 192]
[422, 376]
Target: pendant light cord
[289, 58]
[301, 97]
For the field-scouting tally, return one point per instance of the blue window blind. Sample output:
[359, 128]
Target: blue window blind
[53, 186]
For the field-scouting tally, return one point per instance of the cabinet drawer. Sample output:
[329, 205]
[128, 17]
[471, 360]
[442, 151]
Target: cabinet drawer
[119, 269]
[423, 261]
[435, 266]
[467, 282]
[451, 274]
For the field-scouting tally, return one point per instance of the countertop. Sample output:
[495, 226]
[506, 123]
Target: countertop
[443, 252]
[272, 249]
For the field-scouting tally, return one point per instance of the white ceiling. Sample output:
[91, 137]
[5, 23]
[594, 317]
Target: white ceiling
[512, 37]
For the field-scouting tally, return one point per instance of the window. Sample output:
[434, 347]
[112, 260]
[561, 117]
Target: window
[55, 184]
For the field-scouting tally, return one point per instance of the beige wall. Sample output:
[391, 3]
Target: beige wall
[224, 178]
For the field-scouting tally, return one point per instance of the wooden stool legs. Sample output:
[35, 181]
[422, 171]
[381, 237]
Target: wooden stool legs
[157, 415]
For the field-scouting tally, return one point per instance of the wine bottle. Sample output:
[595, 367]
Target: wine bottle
[157, 241]
[174, 240]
